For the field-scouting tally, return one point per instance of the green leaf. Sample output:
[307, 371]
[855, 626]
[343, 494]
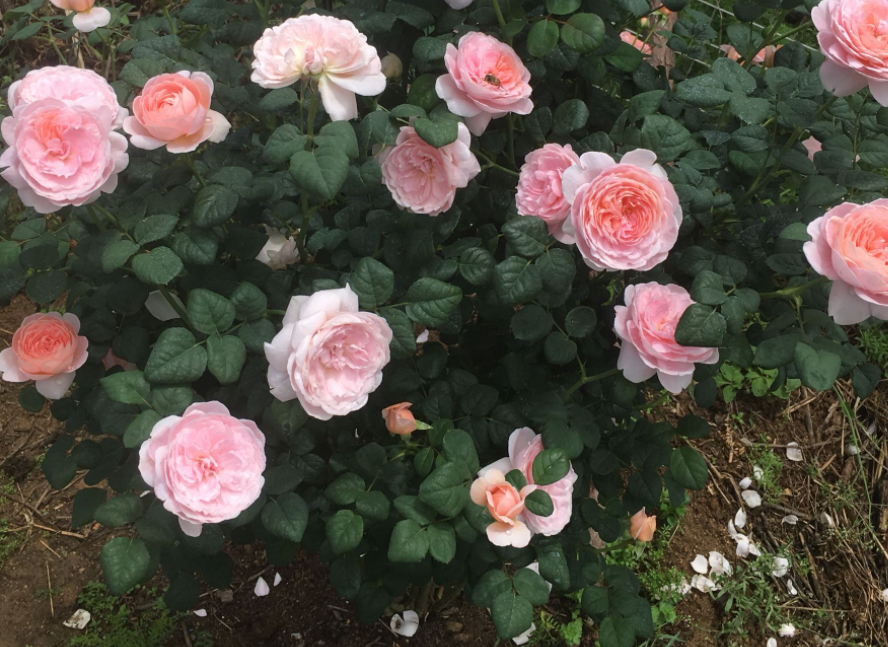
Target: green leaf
[409, 543]
[125, 562]
[373, 505]
[540, 503]
[30, 399]
[446, 489]
[595, 601]
[646, 103]
[286, 516]
[183, 592]
[703, 91]
[430, 301]
[344, 531]
[664, 136]
[39, 257]
[341, 135]
[209, 312]
[176, 358]
[225, 357]
[438, 132]
[512, 615]
[28, 31]
[584, 32]
[580, 321]
[403, 338]
[569, 116]
[708, 288]
[158, 266]
[195, 246]
[559, 350]
[322, 173]
[459, 446]
[476, 265]
[517, 281]
[542, 38]
[531, 323]
[373, 282]
[549, 466]
[489, 586]
[284, 142]
[140, 429]
[345, 489]
[154, 228]
[818, 369]
[527, 235]
[691, 426]
[700, 325]
[171, 400]
[214, 205]
[121, 510]
[278, 99]
[128, 387]
[688, 468]
[442, 542]
[531, 586]
[249, 301]
[46, 287]
[86, 502]
[561, 8]
[865, 378]
[616, 631]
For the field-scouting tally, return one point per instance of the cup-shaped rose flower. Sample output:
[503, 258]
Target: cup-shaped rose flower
[853, 36]
[646, 327]
[328, 354]
[205, 465]
[174, 111]
[642, 527]
[485, 79]
[61, 154]
[87, 17]
[623, 216]
[424, 179]
[327, 50]
[73, 86]
[399, 419]
[506, 505]
[849, 247]
[47, 349]
[539, 187]
[280, 250]
[637, 42]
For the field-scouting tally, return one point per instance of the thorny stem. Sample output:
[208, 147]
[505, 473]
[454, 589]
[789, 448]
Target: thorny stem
[165, 293]
[585, 380]
[166, 12]
[510, 141]
[492, 164]
[186, 159]
[791, 293]
[303, 198]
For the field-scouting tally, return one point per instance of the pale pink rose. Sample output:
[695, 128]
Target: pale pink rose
[506, 505]
[646, 327]
[399, 419]
[72, 85]
[174, 111]
[61, 155]
[485, 79]
[87, 17]
[110, 360]
[539, 187]
[849, 246]
[458, 4]
[328, 354]
[323, 49]
[47, 349]
[280, 250]
[638, 43]
[73, 5]
[623, 216]
[205, 465]
[812, 146]
[764, 57]
[853, 36]
[642, 527]
[424, 179]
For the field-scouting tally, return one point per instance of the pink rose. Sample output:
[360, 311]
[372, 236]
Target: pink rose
[399, 419]
[205, 465]
[424, 179]
[646, 326]
[812, 146]
[46, 349]
[849, 247]
[631, 39]
[539, 187]
[329, 51]
[43, 138]
[853, 36]
[280, 250]
[506, 505]
[328, 354]
[642, 527]
[623, 216]
[524, 447]
[71, 85]
[87, 17]
[174, 111]
[485, 79]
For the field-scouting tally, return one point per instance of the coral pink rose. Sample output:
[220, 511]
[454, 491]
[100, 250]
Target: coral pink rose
[61, 154]
[646, 326]
[623, 216]
[280, 250]
[638, 43]
[399, 419]
[524, 447]
[849, 247]
[328, 354]
[205, 465]
[853, 36]
[174, 111]
[506, 505]
[87, 17]
[485, 79]
[424, 179]
[539, 187]
[327, 50]
[764, 57]
[46, 349]
[642, 527]
[72, 85]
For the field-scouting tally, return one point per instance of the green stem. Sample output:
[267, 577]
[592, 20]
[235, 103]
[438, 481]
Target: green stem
[585, 380]
[303, 198]
[492, 164]
[276, 312]
[791, 293]
[165, 293]
[791, 32]
[510, 141]
[166, 12]
[262, 7]
[186, 159]
[500, 19]
[51, 39]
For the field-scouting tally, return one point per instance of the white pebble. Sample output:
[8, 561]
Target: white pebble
[791, 519]
[405, 626]
[752, 498]
[261, 589]
[793, 452]
[78, 620]
[786, 631]
[781, 567]
[523, 638]
[772, 642]
[423, 337]
[703, 584]
[718, 563]
[277, 579]
[200, 613]
[827, 520]
[740, 518]
[884, 595]
[851, 450]
[700, 565]
[790, 587]
[745, 483]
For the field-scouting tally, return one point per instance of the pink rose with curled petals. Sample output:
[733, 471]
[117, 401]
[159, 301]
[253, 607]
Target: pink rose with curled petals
[849, 247]
[485, 79]
[326, 50]
[638, 43]
[47, 349]
[853, 36]
[41, 163]
[646, 327]
[624, 216]
[205, 465]
[329, 355]
[87, 17]
[424, 179]
[174, 111]
[505, 503]
[71, 85]
[539, 187]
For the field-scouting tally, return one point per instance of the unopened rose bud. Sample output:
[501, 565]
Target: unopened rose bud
[642, 526]
[398, 419]
[392, 67]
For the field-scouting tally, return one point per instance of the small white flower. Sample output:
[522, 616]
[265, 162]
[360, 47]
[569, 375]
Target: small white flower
[781, 567]
[277, 579]
[790, 587]
[772, 642]
[757, 472]
[699, 564]
[200, 613]
[745, 483]
[791, 519]
[718, 563]
[423, 337]
[523, 638]
[261, 589]
[793, 452]
[752, 498]
[405, 626]
[740, 518]
[786, 631]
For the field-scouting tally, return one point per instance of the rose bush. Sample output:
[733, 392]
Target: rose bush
[308, 296]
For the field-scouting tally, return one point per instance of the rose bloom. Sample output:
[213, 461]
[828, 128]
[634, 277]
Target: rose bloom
[61, 154]
[539, 187]
[87, 17]
[46, 349]
[764, 57]
[279, 252]
[399, 419]
[328, 354]
[485, 79]
[71, 85]
[458, 4]
[812, 146]
[646, 326]
[110, 360]
[638, 43]
[424, 179]
[324, 49]
[524, 447]
[174, 111]
[505, 504]
[623, 216]
[205, 465]
[642, 527]
[392, 66]
[849, 246]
